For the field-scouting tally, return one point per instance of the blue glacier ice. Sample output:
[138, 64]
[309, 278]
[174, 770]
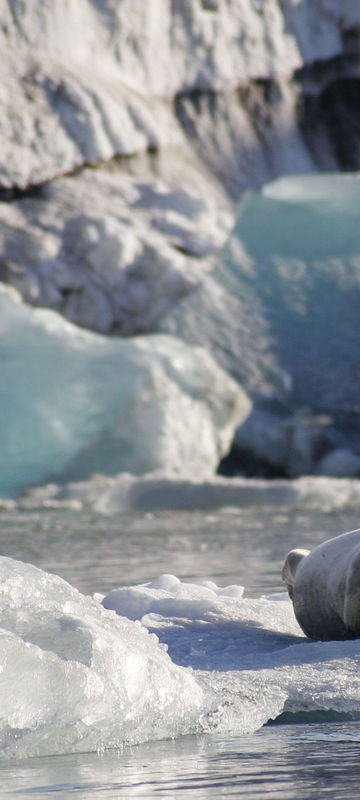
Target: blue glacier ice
[281, 307]
[279, 312]
[74, 403]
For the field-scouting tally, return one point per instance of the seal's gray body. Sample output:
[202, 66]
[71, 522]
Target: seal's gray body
[324, 586]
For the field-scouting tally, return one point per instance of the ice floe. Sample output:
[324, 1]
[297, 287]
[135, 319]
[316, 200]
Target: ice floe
[193, 658]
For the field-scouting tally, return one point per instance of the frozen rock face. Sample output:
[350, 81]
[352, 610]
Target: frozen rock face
[74, 403]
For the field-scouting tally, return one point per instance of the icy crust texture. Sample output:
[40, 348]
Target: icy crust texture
[75, 677]
[74, 403]
[109, 250]
[250, 653]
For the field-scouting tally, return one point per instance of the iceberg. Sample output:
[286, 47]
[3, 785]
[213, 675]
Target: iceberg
[92, 82]
[74, 403]
[211, 97]
[280, 308]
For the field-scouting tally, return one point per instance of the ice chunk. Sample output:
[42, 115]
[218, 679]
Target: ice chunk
[103, 82]
[168, 595]
[75, 403]
[339, 191]
[109, 251]
[281, 307]
[74, 676]
[249, 652]
[155, 491]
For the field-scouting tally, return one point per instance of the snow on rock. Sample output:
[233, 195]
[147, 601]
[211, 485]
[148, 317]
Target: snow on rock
[75, 403]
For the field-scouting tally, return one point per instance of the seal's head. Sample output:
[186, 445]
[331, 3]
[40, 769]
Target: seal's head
[291, 564]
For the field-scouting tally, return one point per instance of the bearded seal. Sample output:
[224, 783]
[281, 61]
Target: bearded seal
[324, 586]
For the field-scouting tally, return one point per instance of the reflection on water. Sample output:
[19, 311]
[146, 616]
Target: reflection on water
[283, 763]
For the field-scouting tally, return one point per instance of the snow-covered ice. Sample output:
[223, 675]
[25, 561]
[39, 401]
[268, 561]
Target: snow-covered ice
[111, 251]
[176, 658]
[85, 83]
[250, 652]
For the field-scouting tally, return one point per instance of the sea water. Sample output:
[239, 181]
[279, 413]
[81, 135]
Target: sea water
[249, 707]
